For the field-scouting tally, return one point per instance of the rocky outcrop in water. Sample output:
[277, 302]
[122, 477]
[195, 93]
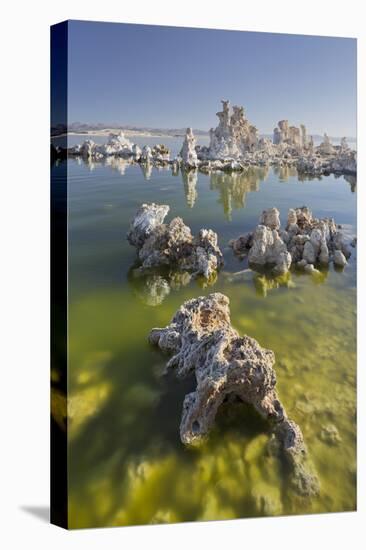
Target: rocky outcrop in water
[290, 136]
[234, 134]
[119, 146]
[202, 342]
[234, 146]
[116, 145]
[188, 152]
[172, 244]
[326, 147]
[305, 242]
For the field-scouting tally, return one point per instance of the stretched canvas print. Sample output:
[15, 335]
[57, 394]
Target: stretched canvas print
[203, 231]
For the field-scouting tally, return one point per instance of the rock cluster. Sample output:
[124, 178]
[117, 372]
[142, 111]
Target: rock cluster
[327, 159]
[119, 146]
[234, 146]
[291, 136]
[116, 145]
[173, 244]
[202, 342]
[305, 242]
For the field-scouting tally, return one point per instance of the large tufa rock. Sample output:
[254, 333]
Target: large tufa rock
[173, 244]
[188, 151]
[117, 144]
[202, 341]
[290, 136]
[234, 135]
[306, 241]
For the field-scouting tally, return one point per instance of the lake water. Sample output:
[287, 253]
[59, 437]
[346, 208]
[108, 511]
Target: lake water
[126, 462]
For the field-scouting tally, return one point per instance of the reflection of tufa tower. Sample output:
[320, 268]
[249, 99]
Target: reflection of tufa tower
[189, 179]
[234, 187]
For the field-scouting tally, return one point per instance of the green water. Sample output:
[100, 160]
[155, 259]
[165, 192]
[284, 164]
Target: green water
[126, 462]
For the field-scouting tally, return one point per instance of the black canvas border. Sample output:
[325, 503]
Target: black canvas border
[59, 254]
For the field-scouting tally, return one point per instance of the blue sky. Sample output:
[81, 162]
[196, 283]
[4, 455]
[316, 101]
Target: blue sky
[173, 77]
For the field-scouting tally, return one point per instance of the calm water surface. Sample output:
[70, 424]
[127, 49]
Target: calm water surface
[126, 462]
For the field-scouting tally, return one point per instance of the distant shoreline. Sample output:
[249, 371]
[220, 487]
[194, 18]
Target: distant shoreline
[105, 132]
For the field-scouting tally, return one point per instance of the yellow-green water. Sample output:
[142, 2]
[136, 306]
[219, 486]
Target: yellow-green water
[126, 462]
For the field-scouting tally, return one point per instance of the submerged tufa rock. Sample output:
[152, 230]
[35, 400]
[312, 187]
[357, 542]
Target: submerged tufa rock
[173, 244]
[202, 341]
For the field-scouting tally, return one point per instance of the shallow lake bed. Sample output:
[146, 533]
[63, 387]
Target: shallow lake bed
[127, 464]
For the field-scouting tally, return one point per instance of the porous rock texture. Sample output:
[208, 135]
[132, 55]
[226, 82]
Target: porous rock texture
[306, 242]
[173, 244]
[202, 341]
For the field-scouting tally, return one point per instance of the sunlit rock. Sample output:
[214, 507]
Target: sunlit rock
[270, 218]
[136, 151]
[339, 258]
[147, 219]
[146, 155]
[202, 341]
[269, 249]
[306, 242]
[326, 147]
[117, 144]
[173, 244]
[88, 148]
[233, 136]
[289, 136]
[234, 145]
[160, 153]
[188, 151]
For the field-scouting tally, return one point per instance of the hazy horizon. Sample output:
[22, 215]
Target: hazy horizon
[173, 77]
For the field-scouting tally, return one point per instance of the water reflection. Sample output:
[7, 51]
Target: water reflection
[152, 286]
[146, 169]
[264, 281]
[352, 180]
[233, 187]
[189, 179]
[284, 172]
